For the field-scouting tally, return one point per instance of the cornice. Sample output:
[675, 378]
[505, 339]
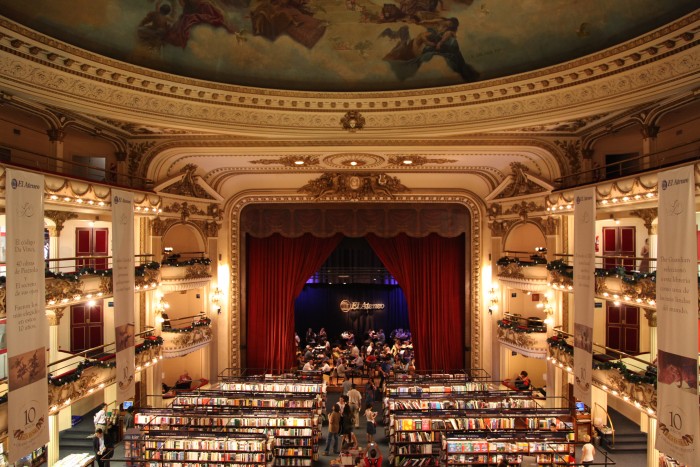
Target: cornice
[662, 61]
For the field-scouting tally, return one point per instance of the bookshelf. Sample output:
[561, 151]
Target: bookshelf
[198, 448]
[468, 449]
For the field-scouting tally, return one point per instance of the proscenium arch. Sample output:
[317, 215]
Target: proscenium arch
[474, 238]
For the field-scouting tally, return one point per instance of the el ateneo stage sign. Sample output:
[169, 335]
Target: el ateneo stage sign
[584, 280]
[677, 317]
[123, 286]
[27, 327]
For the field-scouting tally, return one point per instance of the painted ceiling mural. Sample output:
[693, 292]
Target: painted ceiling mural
[344, 45]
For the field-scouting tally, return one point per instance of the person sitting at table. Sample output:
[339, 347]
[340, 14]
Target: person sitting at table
[522, 381]
[308, 366]
[322, 336]
[358, 363]
[185, 377]
[380, 336]
[309, 354]
[340, 369]
[325, 367]
[310, 337]
[396, 348]
[355, 351]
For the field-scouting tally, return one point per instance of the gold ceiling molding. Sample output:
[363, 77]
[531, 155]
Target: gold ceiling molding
[474, 238]
[340, 185]
[661, 61]
[410, 160]
[145, 153]
[289, 161]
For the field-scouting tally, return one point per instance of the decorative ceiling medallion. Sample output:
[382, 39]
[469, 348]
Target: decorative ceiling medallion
[352, 121]
[417, 160]
[345, 160]
[353, 185]
[289, 161]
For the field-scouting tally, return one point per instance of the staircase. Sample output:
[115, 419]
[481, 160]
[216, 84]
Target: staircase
[78, 438]
[628, 437]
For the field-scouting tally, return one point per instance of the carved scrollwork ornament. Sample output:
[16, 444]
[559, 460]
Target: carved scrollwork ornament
[352, 121]
[650, 315]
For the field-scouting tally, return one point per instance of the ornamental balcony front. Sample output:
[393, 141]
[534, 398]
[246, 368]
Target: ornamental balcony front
[524, 271]
[629, 378]
[185, 335]
[184, 271]
[79, 376]
[88, 278]
[527, 336]
[615, 279]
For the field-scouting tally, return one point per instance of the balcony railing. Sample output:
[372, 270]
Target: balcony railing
[523, 270]
[184, 271]
[185, 335]
[78, 376]
[631, 378]
[75, 280]
[14, 156]
[527, 336]
[631, 166]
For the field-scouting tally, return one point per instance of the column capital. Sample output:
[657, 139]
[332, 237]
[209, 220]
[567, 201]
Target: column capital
[54, 316]
[649, 130]
[56, 134]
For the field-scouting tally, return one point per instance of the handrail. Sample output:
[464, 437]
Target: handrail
[619, 352]
[85, 352]
[655, 159]
[143, 183]
[94, 257]
[198, 315]
[612, 427]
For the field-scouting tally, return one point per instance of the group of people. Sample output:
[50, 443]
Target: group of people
[345, 417]
[374, 355]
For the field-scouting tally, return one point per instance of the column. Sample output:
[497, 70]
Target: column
[121, 169]
[56, 136]
[650, 315]
[652, 454]
[649, 133]
[53, 447]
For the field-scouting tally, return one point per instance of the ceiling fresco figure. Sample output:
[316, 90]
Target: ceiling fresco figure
[439, 38]
[195, 12]
[154, 27]
[272, 18]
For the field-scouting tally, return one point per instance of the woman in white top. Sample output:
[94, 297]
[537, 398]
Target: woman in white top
[587, 451]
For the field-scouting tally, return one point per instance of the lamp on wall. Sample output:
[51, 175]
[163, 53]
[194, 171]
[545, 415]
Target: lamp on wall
[493, 299]
[547, 306]
[161, 309]
[216, 297]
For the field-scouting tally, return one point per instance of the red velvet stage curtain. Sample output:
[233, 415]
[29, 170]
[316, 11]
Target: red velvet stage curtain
[278, 268]
[430, 270]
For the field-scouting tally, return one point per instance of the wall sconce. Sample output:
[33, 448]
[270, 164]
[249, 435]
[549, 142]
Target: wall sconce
[161, 309]
[493, 299]
[547, 306]
[216, 297]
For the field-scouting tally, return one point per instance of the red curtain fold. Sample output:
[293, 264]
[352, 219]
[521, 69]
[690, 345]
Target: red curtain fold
[278, 268]
[430, 270]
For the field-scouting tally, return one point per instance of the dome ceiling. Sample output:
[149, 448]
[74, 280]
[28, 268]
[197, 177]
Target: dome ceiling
[345, 45]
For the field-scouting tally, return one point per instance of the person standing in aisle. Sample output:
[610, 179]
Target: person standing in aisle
[587, 451]
[371, 416]
[333, 430]
[355, 399]
[347, 385]
[100, 419]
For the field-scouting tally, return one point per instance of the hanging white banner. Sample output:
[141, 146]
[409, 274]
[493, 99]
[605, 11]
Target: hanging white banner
[27, 327]
[677, 317]
[123, 286]
[584, 288]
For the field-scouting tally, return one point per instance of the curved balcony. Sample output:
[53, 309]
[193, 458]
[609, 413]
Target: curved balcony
[625, 376]
[85, 280]
[78, 376]
[527, 336]
[184, 271]
[524, 271]
[185, 335]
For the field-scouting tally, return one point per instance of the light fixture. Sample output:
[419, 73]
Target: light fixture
[353, 163]
[493, 299]
[407, 161]
[216, 298]
[299, 162]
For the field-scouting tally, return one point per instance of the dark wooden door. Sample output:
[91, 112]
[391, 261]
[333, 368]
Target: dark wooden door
[86, 327]
[622, 328]
[619, 241]
[92, 241]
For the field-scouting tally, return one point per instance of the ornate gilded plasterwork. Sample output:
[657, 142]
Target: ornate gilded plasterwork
[521, 184]
[289, 161]
[60, 217]
[188, 186]
[417, 160]
[360, 185]
[177, 344]
[474, 308]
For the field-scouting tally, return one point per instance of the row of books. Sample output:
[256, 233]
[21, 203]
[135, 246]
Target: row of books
[443, 389]
[427, 424]
[243, 402]
[204, 456]
[208, 444]
[144, 419]
[281, 387]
